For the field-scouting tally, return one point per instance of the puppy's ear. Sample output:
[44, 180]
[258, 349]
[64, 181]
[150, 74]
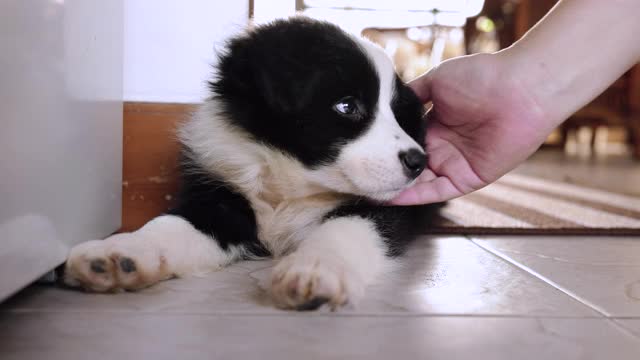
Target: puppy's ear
[263, 76]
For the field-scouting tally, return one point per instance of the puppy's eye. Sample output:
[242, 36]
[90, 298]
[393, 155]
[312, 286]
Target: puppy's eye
[348, 107]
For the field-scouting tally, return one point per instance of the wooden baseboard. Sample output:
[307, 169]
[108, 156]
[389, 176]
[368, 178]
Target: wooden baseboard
[150, 159]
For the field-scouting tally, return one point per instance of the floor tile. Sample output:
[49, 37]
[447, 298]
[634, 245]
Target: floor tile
[439, 275]
[613, 173]
[164, 336]
[451, 275]
[602, 271]
[230, 290]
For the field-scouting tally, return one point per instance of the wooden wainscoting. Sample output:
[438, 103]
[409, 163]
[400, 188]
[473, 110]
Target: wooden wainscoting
[150, 176]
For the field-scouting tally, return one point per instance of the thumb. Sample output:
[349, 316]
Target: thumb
[437, 190]
[422, 86]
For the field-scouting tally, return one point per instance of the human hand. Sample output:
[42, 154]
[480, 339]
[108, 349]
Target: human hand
[484, 121]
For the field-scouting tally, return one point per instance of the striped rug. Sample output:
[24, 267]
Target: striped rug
[518, 204]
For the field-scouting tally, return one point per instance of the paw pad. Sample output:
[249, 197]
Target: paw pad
[98, 266]
[127, 265]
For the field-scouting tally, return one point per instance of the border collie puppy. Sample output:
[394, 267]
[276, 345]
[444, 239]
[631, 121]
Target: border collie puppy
[307, 132]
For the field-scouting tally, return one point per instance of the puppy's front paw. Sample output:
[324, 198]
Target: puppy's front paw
[118, 262]
[306, 283]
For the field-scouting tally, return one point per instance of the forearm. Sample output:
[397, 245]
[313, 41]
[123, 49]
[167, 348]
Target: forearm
[575, 53]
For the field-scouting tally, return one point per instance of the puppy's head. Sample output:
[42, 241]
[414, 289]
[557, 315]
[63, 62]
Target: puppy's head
[329, 100]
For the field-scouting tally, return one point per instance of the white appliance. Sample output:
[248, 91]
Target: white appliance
[60, 131]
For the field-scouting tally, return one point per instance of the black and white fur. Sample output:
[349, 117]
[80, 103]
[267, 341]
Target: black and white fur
[307, 131]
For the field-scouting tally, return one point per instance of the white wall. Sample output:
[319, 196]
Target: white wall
[169, 46]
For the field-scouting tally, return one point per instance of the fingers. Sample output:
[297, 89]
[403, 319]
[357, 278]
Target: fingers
[422, 86]
[425, 176]
[437, 190]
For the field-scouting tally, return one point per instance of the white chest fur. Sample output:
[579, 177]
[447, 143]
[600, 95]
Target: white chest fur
[283, 226]
[287, 201]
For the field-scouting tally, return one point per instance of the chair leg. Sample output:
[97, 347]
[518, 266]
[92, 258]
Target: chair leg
[592, 141]
[636, 145]
[634, 134]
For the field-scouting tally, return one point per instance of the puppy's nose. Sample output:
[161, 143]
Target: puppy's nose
[413, 162]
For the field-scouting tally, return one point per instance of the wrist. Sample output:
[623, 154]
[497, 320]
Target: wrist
[563, 64]
[535, 84]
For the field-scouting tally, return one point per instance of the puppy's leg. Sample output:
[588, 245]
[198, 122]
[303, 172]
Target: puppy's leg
[165, 247]
[333, 265]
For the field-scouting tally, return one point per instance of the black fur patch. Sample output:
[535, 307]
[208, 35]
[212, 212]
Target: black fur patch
[280, 81]
[215, 209]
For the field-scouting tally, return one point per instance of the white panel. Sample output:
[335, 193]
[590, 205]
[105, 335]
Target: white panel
[60, 131]
[265, 11]
[169, 46]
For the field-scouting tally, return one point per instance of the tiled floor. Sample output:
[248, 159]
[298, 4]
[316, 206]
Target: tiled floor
[454, 297]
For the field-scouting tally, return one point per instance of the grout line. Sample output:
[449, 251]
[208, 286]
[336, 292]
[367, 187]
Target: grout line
[299, 314]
